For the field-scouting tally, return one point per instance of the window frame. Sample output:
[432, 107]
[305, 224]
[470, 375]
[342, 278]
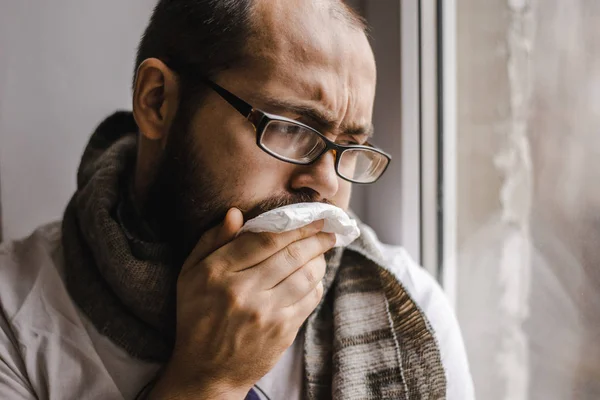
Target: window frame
[438, 133]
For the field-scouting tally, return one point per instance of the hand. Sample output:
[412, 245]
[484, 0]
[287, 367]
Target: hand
[240, 304]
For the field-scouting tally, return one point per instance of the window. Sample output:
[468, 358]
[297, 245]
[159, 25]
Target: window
[527, 193]
[498, 179]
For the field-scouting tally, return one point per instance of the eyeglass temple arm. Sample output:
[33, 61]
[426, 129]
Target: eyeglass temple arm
[243, 108]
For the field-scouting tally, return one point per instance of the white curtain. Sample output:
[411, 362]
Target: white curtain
[529, 197]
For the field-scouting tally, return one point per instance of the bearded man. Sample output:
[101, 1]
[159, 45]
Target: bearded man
[146, 289]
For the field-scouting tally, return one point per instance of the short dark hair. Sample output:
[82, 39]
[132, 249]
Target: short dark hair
[209, 35]
[199, 38]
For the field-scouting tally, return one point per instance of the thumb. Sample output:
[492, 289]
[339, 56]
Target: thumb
[233, 222]
[217, 237]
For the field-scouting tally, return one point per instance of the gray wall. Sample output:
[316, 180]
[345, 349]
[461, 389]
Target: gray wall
[64, 65]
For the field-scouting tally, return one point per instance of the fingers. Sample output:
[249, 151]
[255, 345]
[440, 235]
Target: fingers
[216, 237]
[300, 283]
[298, 312]
[250, 249]
[285, 262]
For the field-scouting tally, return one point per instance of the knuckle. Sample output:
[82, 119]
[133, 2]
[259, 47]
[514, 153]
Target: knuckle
[319, 290]
[233, 298]
[324, 241]
[305, 231]
[292, 254]
[311, 273]
[286, 330]
[279, 326]
[255, 316]
[321, 268]
[215, 264]
[268, 240]
[260, 318]
[327, 240]
[212, 278]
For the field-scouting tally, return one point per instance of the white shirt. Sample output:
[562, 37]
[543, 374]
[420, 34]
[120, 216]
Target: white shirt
[50, 350]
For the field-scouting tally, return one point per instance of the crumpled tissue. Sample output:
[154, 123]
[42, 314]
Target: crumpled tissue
[295, 216]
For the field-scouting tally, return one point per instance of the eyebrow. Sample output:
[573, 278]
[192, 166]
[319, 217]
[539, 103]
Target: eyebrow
[322, 118]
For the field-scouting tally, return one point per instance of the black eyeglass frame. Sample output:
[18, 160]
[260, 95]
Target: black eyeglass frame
[260, 119]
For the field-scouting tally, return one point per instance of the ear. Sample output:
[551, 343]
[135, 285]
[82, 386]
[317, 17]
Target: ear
[155, 100]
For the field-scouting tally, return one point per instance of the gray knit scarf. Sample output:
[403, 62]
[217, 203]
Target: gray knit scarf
[366, 340]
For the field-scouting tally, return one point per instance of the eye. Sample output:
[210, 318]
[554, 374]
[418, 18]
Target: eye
[289, 129]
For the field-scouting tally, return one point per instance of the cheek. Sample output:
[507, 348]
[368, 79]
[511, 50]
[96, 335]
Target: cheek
[342, 197]
[242, 170]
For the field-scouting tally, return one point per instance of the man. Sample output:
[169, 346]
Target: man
[145, 289]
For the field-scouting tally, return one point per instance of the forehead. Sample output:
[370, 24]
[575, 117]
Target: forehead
[308, 48]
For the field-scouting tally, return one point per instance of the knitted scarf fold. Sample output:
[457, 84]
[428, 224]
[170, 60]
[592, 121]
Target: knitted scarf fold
[366, 340]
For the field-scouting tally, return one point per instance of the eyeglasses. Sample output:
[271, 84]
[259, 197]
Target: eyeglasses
[294, 142]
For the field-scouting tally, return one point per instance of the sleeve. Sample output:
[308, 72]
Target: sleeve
[14, 384]
[430, 297]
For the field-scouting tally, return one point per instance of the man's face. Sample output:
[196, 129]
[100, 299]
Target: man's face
[302, 56]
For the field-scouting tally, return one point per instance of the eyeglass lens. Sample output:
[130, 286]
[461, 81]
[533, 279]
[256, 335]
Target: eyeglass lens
[296, 143]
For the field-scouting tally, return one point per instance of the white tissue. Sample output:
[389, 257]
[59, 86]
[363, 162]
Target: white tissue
[295, 216]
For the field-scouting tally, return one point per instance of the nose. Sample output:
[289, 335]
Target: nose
[319, 176]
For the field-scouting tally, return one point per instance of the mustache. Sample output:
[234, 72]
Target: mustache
[301, 196]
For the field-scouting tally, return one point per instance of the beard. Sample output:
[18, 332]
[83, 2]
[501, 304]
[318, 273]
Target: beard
[186, 199]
